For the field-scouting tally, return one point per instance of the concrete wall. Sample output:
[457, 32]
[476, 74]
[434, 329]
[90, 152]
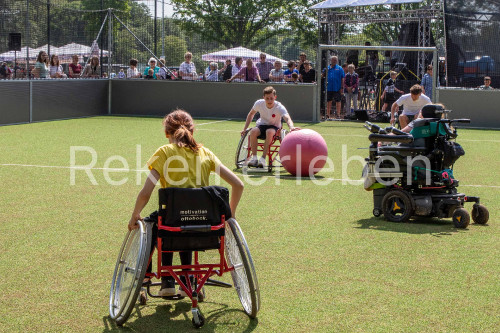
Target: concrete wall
[60, 99]
[15, 102]
[482, 107]
[205, 99]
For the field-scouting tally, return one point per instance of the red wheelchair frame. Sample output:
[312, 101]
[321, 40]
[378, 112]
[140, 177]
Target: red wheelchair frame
[136, 255]
[244, 151]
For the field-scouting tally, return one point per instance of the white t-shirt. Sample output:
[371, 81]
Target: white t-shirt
[55, 69]
[235, 71]
[188, 68]
[270, 116]
[132, 72]
[411, 107]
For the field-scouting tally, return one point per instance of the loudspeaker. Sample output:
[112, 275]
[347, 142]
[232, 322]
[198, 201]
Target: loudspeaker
[14, 41]
[361, 114]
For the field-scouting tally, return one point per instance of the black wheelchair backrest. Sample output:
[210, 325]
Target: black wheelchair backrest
[194, 206]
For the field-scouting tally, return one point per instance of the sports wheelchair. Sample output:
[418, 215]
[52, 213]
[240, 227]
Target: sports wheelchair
[243, 152]
[415, 177]
[187, 220]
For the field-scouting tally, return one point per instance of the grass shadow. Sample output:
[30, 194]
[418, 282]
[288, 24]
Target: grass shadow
[161, 320]
[430, 226]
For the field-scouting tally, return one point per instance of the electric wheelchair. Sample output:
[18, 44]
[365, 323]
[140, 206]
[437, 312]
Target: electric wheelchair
[415, 177]
[244, 151]
[194, 219]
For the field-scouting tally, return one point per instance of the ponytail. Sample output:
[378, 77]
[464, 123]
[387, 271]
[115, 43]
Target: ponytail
[179, 125]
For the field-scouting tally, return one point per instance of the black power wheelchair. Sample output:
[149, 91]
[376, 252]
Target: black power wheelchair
[189, 219]
[415, 177]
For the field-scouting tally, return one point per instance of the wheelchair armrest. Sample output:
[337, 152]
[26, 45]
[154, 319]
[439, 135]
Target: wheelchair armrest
[403, 149]
[390, 138]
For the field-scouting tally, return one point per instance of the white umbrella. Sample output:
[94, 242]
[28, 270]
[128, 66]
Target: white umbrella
[221, 56]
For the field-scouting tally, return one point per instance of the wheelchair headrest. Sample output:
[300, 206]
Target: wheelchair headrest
[432, 111]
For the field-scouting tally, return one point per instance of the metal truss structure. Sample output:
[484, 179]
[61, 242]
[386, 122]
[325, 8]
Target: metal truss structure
[330, 21]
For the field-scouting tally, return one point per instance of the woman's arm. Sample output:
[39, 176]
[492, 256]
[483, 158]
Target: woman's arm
[236, 186]
[143, 198]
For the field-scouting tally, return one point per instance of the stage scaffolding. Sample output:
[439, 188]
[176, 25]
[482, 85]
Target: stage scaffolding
[330, 20]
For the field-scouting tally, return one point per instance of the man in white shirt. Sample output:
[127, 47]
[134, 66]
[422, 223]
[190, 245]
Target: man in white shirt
[412, 104]
[269, 122]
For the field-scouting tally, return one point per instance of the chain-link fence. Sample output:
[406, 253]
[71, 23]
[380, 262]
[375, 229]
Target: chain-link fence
[142, 29]
[129, 30]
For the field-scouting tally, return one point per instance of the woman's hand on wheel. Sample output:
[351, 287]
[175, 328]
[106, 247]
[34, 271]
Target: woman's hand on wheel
[132, 224]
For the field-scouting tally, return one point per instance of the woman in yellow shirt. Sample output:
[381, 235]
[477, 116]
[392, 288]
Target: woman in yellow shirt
[182, 163]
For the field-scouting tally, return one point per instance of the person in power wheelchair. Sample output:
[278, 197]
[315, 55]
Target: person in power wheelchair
[182, 167]
[269, 123]
[415, 177]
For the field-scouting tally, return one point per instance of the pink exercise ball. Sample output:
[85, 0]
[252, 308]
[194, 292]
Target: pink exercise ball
[301, 150]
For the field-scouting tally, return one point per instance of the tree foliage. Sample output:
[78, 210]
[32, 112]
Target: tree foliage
[232, 22]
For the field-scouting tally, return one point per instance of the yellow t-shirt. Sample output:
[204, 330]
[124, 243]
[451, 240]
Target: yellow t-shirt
[181, 167]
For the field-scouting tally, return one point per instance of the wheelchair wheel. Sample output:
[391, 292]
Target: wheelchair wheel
[397, 206]
[129, 272]
[461, 218]
[242, 150]
[244, 276]
[480, 214]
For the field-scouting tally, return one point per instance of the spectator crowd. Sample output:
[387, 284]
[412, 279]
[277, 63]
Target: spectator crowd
[242, 70]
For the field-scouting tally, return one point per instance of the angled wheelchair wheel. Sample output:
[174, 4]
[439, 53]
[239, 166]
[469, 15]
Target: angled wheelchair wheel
[244, 276]
[480, 214]
[242, 150]
[397, 206]
[461, 218]
[129, 272]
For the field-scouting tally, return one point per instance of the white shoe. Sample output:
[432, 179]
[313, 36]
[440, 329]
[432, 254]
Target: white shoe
[253, 162]
[167, 292]
[262, 163]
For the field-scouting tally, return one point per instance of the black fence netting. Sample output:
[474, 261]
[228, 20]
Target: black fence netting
[115, 32]
[472, 42]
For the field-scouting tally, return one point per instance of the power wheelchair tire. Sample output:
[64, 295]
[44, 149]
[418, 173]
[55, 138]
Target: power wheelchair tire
[244, 276]
[461, 218]
[397, 206]
[480, 214]
[129, 273]
[242, 150]
[377, 212]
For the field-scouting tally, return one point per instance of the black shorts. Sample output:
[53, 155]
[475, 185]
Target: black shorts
[263, 129]
[333, 95]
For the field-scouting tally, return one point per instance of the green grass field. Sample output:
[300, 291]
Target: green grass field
[324, 263]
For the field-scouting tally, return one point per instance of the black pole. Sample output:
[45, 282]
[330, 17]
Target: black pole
[28, 41]
[155, 34]
[101, 41]
[48, 27]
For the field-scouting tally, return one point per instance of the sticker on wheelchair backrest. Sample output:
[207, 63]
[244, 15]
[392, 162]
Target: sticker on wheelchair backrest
[194, 215]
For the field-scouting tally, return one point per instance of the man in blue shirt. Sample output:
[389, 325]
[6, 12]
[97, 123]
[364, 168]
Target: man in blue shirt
[335, 86]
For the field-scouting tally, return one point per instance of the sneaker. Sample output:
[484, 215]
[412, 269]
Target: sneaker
[253, 161]
[262, 163]
[167, 286]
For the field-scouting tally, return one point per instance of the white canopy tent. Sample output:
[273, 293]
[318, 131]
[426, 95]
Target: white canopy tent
[64, 52]
[221, 56]
[357, 3]
[20, 55]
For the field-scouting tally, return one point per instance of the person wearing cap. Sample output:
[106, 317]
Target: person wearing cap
[486, 85]
[152, 65]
